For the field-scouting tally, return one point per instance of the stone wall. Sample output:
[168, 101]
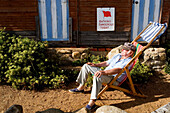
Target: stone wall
[155, 58]
[67, 55]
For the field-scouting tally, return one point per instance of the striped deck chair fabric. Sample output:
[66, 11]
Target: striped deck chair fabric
[152, 31]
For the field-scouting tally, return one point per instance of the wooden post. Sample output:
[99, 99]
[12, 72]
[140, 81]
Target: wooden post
[77, 41]
[37, 28]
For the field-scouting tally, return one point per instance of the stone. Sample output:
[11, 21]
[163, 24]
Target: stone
[157, 62]
[154, 53]
[155, 57]
[156, 67]
[148, 51]
[64, 51]
[15, 109]
[83, 110]
[65, 59]
[81, 50]
[51, 110]
[157, 70]
[109, 109]
[146, 57]
[75, 55]
[114, 51]
[84, 55]
[159, 50]
[149, 63]
[163, 109]
[162, 56]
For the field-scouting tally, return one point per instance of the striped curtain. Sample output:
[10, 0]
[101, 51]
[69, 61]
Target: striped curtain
[54, 20]
[144, 11]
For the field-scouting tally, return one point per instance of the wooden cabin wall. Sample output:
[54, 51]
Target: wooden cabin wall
[84, 15]
[166, 17]
[166, 11]
[18, 16]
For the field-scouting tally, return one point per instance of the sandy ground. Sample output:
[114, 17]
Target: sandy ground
[157, 90]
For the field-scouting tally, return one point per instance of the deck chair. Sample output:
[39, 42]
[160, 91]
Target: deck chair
[152, 32]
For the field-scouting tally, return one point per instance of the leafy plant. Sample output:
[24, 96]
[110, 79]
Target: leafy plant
[90, 58]
[24, 64]
[89, 82]
[167, 68]
[167, 47]
[140, 73]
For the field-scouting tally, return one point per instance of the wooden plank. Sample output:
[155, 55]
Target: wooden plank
[88, 28]
[18, 0]
[104, 33]
[23, 33]
[18, 4]
[103, 38]
[19, 25]
[15, 14]
[94, 39]
[17, 20]
[18, 29]
[18, 9]
[101, 43]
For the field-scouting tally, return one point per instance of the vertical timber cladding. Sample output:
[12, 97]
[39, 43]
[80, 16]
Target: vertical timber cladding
[54, 20]
[88, 34]
[144, 11]
[18, 15]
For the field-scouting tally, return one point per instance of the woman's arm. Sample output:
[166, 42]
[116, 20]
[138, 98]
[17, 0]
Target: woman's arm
[101, 64]
[108, 72]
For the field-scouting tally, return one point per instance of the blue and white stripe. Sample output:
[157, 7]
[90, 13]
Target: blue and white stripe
[142, 13]
[152, 31]
[54, 20]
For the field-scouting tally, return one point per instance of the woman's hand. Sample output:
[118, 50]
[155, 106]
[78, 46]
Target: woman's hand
[99, 73]
[91, 64]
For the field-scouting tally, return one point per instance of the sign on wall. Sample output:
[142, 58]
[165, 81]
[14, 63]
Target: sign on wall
[105, 19]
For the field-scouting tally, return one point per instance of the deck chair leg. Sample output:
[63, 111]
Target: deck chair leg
[103, 90]
[131, 83]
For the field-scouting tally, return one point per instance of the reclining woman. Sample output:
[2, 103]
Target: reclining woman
[113, 67]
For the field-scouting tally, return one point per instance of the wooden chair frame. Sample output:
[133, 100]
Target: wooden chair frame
[133, 91]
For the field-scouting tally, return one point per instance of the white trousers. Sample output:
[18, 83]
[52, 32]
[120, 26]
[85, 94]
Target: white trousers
[97, 82]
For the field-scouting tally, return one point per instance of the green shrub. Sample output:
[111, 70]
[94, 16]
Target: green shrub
[167, 67]
[90, 58]
[140, 73]
[89, 82]
[23, 64]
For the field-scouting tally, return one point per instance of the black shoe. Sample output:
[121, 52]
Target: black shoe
[90, 109]
[76, 91]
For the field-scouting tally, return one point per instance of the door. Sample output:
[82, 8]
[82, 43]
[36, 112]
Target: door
[144, 11]
[54, 20]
